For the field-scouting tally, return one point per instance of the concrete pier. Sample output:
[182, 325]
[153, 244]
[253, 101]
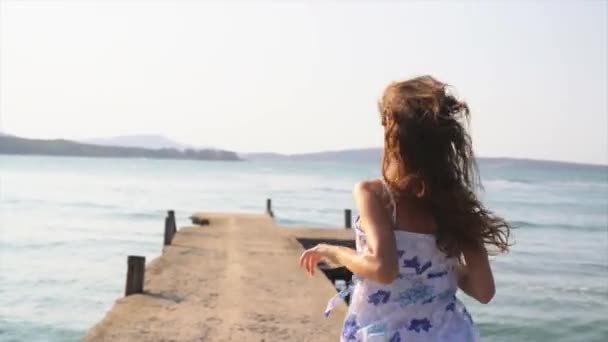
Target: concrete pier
[236, 278]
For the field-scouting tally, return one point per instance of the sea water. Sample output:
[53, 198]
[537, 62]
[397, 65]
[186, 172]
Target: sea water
[68, 224]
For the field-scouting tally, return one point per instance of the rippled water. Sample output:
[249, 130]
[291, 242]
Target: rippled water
[67, 225]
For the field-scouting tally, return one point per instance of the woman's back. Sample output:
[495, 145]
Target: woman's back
[419, 305]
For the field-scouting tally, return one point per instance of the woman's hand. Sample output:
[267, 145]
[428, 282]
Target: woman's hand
[379, 260]
[312, 256]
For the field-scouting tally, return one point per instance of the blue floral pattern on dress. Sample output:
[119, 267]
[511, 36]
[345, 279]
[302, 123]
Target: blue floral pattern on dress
[428, 301]
[396, 337]
[378, 297]
[436, 274]
[420, 324]
[375, 329]
[350, 328]
[416, 294]
[415, 264]
[446, 295]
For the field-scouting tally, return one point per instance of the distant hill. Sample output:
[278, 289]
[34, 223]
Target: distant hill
[16, 145]
[140, 141]
[375, 155]
[354, 155]
[170, 149]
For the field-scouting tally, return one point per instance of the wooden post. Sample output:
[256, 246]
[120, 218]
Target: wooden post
[347, 218]
[171, 214]
[269, 207]
[168, 231]
[136, 266]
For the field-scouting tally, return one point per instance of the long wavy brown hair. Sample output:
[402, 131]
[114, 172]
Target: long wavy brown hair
[428, 157]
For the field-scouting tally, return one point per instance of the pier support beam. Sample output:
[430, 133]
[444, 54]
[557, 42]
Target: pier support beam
[347, 218]
[136, 266]
[169, 232]
[269, 207]
[171, 215]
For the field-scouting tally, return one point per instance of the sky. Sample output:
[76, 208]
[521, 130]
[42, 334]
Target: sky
[295, 76]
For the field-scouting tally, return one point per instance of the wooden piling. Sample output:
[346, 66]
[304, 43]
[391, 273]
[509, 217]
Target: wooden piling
[347, 218]
[168, 231]
[135, 275]
[269, 207]
[171, 214]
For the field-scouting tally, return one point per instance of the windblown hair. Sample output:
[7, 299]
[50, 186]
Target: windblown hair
[428, 156]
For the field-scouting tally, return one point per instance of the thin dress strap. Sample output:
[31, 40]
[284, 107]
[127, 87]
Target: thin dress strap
[391, 197]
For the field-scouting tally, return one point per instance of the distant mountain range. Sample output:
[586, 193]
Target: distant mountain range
[59, 147]
[157, 146]
[140, 141]
[364, 154]
[375, 154]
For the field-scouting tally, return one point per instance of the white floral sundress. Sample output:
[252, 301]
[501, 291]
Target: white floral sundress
[420, 305]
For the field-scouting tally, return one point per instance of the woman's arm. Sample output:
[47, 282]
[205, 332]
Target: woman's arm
[475, 276]
[379, 262]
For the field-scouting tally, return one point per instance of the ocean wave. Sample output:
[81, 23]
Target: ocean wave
[53, 202]
[504, 184]
[144, 215]
[15, 330]
[516, 180]
[518, 183]
[581, 184]
[91, 205]
[35, 245]
[332, 190]
[134, 238]
[295, 222]
[535, 225]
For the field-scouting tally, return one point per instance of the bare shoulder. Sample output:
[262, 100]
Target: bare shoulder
[367, 187]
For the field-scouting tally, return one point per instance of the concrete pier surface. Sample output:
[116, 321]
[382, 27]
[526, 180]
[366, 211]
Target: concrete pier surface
[235, 279]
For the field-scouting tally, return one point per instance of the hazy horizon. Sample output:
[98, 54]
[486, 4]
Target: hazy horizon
[302, 77]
